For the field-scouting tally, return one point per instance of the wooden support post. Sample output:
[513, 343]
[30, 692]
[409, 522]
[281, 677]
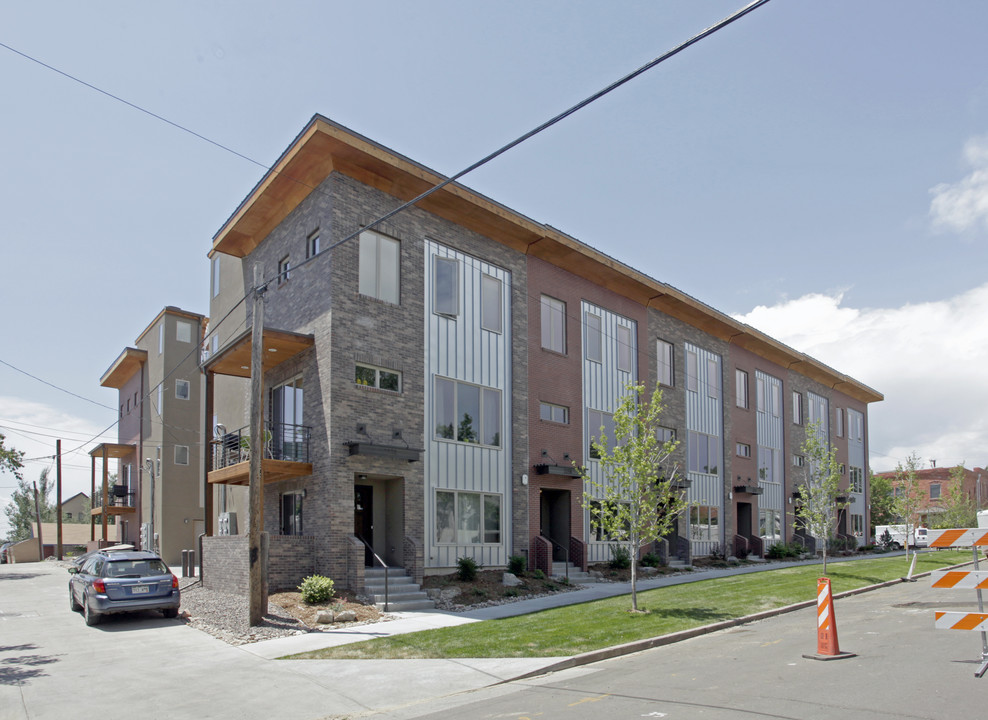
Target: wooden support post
[37, 514]
[92, 496]
[258, 603]
[106, 490]
[58, 498]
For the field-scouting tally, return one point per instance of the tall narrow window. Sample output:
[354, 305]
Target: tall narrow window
[839, 421]
[713, 378]
[284, 269]
[181, 390]
[664, 355]
[378, 274]
[490, 305]
[776, 394]
[595, 348]
[291, 513]
[598, 421]
[741, 388]
[797, 408]
[445, 299]
[161, 337]
[313, 244]
[287, 439]
[760, 393]
[216, 276]
[624, 354]
[553, 324]
[691, 371]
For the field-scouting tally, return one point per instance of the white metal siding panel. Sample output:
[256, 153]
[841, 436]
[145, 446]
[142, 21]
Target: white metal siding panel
[704, 414]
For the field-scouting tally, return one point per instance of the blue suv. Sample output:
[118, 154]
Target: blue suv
[122, 581]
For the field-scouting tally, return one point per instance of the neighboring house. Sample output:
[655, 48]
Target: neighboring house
[75, 537]
[430, 383]
[159, 388]
[76, 508]
[933, 483]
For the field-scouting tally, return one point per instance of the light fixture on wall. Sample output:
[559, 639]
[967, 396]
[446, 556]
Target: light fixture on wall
[362, 478]
[524, 479]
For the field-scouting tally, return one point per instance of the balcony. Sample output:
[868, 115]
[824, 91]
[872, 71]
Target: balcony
[284, 454]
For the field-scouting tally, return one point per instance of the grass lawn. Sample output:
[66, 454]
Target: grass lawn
[589, 626]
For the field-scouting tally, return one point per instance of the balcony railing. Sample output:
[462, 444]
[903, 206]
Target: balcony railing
[281, 441]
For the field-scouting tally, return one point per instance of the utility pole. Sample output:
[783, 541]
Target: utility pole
[58, 496]
[258, 603]
[37, 514]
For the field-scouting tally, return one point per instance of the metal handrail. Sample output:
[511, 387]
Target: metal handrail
[383, 564]
[565, 553]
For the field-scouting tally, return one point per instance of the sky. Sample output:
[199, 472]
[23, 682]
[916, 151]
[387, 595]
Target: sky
[817, 170]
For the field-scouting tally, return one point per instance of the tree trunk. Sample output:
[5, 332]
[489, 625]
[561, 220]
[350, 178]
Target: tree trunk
[634, 578]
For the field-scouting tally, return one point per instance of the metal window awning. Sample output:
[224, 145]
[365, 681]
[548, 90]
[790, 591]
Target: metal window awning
[565, 470]
[750, 489]
[389, 452]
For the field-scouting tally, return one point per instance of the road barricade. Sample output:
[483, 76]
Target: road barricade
[976, 580]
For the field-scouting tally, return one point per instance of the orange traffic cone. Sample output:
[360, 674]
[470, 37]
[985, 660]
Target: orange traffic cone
[827, 647]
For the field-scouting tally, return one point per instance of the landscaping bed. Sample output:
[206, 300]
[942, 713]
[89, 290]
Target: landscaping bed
[488, 588]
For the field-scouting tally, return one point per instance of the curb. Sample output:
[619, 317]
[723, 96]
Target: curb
[648, 643]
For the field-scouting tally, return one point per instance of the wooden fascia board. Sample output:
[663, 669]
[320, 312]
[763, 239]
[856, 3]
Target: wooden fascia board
[123, 368]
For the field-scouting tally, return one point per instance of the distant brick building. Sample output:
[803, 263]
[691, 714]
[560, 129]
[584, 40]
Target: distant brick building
[933, 484]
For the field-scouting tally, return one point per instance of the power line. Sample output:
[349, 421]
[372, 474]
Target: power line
[52, 385]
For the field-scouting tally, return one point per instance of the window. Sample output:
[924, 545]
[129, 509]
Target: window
[291, 513]
[665, 434]
[216, 276]
[704, 453]
[598, 421]
[857, 525]
[288, 439]
[743, 450]
[596, 530]
[760, 394]
[839, 421]
[181, 454]
[379, 378]
[446, 297]
[553, 324]
[467, 413]
[934, 491]
[797, 408]
[705, 522]
[466, 518]
[741, 388]
[691, 371]
[378, 274]
[128, 406]
[182, 389]
[857, 480]
[183, 331]
[770, 526]
[313, 245]
[769, 465]
[595, 347]
[284, 269]
[843, 468]
[664, 355]
[855, 426]
[624, 348]
[776, 393]
[554, 413]
[490, 303]
[713, 379]
[161, 337]
[161, 397]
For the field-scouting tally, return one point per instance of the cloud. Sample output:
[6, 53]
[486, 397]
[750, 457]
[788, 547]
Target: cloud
[928, 359]
[963, 205]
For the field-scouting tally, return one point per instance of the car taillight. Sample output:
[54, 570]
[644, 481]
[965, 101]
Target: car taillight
[174, 582]
[99, 586]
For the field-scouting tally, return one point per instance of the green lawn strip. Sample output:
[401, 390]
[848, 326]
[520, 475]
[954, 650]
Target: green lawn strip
[575, 629]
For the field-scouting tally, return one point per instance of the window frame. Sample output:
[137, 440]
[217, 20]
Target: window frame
[489, 283]
[377, 377]
[481, 421]
[188, 455]
[694, 456]
[298, 496]
[551, 308]
[313, 244]
[188, 390]
[742, 449]
[856, 479]
[369, 249]
[939, 491]
[284, 269]
[625, 349]
[797, 407]
[594, 336]
[692, 371]
[665, 354]
[483, 532]
[741, 399]
[839, 422]
[183, 327]
[445, 306]
[552, 407]
[593, 430]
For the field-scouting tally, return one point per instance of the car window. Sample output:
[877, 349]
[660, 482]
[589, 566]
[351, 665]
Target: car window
[134, 568]
[89, 567]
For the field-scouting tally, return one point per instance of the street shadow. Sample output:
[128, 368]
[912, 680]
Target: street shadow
[702, 615]
[18, 576]
[19, 669]
[133, 621]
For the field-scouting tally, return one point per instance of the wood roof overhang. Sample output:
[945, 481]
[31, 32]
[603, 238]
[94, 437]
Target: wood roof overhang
[127, 364]
[113, 450]
[324, 146]
[279, 346]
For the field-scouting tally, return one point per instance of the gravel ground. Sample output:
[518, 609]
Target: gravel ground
[225, 616]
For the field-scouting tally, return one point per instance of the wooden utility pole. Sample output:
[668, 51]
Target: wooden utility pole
[58, 496]
[37, 514]
[258, 603]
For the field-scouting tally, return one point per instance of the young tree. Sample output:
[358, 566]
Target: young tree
[908, 494]
[882, 498]
[21, 512]
[633, 502]
[820, 491]
[958, 507]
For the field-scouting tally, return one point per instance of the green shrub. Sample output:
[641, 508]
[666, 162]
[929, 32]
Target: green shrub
[538, 575]
[651, 560]
[620, 557]
[517, 564]
[316, 589]
[511, 592]
[467, 569]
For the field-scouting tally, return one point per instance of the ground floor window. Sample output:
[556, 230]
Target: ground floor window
[467, 518]
[597, 533]
[291, 513]
[857, 525]
[770, 526]
[705, 522]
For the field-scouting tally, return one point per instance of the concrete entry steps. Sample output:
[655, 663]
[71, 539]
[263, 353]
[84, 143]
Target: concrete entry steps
[576, 576]
[403, 593]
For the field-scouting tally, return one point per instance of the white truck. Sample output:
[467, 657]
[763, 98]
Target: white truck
[897, 535]
[983, 518]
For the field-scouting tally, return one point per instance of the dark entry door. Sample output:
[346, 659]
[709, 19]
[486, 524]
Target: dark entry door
[363, 518]
[744, 519]
[555, 521]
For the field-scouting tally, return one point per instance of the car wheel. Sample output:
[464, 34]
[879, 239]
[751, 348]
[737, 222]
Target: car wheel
[73, 605]
[92, 618]
[896, 546]
[170, 613]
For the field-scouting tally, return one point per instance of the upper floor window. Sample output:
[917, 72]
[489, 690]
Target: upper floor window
[379, 274]
[553, 324]
[741, 388]
[161, 337]
[857, 479]
[181, 454]
[598, 423]
[183, 331]
[595, 346]
[855, 425]
[182, 389]
[313, 245]
[742, 450]
[798, 460]
[379, 378]
[665, 434]
[839, 422]
[490, 303]
[467, 413]
[704, 453]
[216, 276]
[664, 355]
[934, 491]
[624, 354]
[284, 269]
[797, 407]
[713, 378]
[691, 371]
[553, 413]
[446, 296]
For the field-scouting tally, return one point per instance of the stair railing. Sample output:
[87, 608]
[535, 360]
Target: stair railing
[565, 553]
[383, 564]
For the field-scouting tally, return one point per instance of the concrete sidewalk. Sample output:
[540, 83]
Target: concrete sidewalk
[409, 622]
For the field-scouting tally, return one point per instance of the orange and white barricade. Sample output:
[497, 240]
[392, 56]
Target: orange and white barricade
[827, 646]
[977, 580]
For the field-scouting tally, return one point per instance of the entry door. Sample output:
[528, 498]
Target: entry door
[363, 518]
[555, 520]
[744, 519]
